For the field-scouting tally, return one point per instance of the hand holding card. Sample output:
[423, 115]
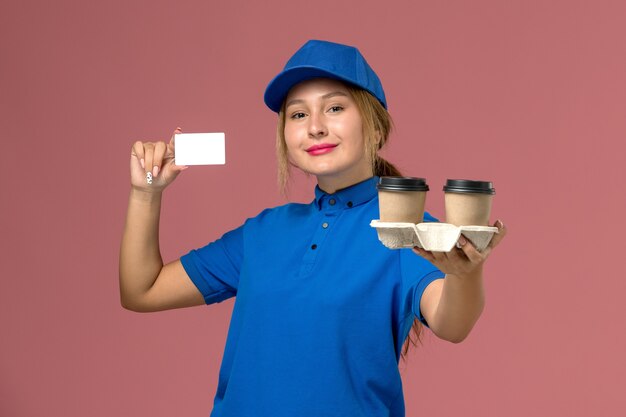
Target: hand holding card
[199, 149]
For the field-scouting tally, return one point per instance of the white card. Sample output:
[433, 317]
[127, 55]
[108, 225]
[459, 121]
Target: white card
[200, 149]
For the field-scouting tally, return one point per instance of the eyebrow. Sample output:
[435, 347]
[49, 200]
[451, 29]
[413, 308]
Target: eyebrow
[324, 97]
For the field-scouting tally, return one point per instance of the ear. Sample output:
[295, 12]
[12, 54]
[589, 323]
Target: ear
[378, 139]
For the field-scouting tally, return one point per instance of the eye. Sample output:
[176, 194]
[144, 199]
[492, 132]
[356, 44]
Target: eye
[335, 109]
[297, 115]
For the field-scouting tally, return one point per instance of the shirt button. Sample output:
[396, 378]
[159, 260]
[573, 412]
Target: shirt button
[324, 225]
[332, 201]
[349, 203]
[314, 246]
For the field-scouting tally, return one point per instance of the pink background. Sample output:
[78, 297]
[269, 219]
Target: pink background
[528, 94]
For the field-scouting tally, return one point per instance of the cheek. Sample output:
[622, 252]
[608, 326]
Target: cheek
[291, 138]
[352, 131]
[358, 139]
[292, 145]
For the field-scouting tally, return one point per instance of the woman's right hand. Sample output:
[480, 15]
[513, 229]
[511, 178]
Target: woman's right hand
[156, 158]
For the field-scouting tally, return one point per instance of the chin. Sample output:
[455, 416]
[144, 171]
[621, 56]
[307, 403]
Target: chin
[324, 172]
[317, 169]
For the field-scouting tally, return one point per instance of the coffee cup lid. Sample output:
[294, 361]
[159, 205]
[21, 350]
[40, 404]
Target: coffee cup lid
[402, 184]
[469, 186]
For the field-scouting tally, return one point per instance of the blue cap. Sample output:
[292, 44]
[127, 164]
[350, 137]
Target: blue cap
[322, 59]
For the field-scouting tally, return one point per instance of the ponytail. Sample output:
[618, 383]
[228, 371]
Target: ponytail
[377, 126]
[384, 168]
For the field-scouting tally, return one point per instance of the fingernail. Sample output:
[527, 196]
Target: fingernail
[499, 224]
[462, 241]
[155, 171]
[143, 163]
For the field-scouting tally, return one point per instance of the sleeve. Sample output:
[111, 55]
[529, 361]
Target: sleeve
[429, 218]
[215, 268]
[417, 274]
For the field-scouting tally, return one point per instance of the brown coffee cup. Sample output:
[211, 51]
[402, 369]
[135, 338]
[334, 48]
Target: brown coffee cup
[468, 203]
[402, 199]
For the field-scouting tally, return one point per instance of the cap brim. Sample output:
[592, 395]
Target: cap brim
[279, 87]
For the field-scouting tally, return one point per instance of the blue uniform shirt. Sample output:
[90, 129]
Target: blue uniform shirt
[321, 312]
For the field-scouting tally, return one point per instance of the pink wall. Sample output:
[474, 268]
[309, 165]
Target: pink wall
[528, 94]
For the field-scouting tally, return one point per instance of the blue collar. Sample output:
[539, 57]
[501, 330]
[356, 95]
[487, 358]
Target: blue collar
[352, 196]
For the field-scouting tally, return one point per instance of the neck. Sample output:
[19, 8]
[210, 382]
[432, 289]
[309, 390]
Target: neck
[331, 185]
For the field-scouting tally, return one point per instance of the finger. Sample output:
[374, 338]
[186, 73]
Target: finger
[148, 149]
[470, 250]
[497, 237]
[157, 158]
[171, 158]
[423, 253]
[138, 152]
[456, 254]
[486, 252]
[177, 168]
[439, 257]
[171, 150]
[176, 132]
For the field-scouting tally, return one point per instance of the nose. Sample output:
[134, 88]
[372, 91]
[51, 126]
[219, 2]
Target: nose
[317, 126]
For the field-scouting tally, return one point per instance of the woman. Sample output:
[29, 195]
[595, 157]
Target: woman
[322, 309]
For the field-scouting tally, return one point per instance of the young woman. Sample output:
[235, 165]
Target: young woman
[322, 308]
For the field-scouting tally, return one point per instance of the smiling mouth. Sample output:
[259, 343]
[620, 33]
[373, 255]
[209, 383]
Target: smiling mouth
[320, 149]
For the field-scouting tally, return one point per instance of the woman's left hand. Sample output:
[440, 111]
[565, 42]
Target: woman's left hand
[466, 260]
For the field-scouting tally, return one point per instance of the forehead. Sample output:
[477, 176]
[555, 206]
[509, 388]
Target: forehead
[316, 86]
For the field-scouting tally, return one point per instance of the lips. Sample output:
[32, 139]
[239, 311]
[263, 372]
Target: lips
[320, 149]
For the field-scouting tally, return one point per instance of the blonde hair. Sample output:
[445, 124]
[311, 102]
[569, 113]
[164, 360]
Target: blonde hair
[377, 126]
